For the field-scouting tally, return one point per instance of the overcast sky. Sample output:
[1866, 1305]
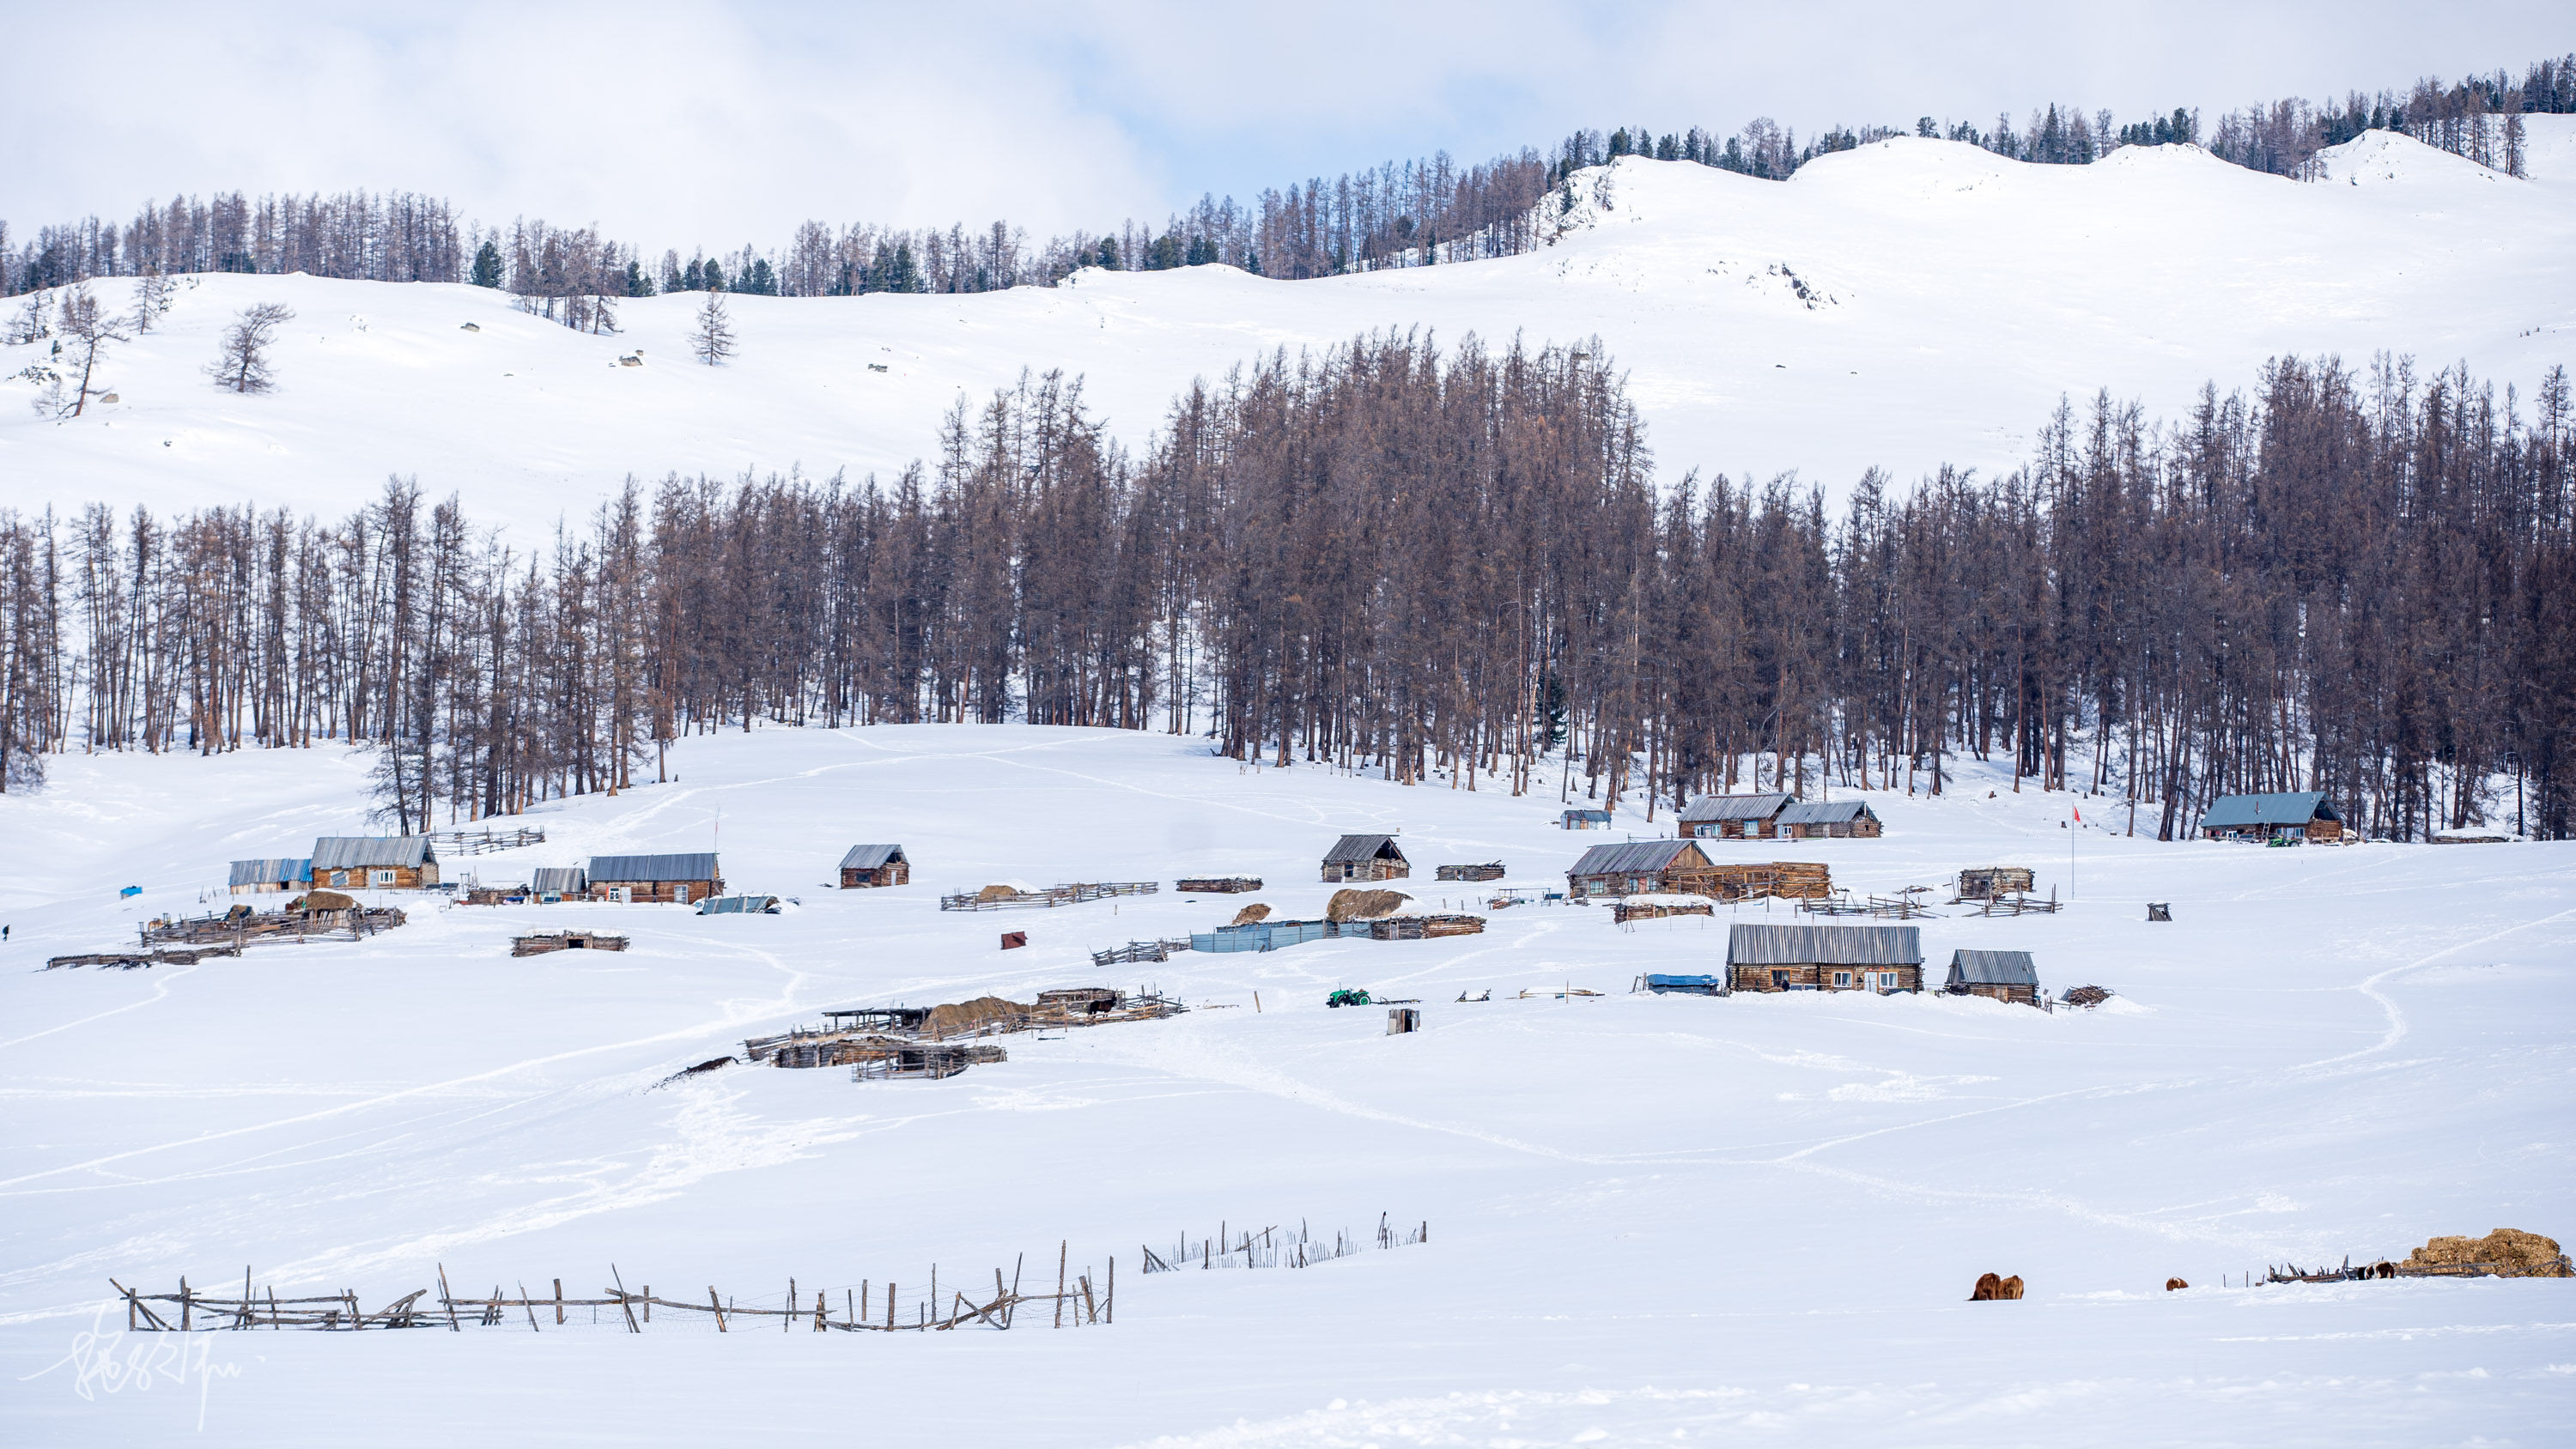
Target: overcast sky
[717, 124]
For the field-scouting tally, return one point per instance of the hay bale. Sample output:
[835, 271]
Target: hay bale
[993, 893]
[1354, 905]
[2510, 1252]
[964, 1018]
[326, 901]
[1249, 914]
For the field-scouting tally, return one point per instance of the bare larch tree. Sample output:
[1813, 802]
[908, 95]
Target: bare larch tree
[243, 364]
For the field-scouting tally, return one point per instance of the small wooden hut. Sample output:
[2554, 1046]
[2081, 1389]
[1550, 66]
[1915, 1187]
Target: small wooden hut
[1365, 857]
[1829, 819]
[1642, 867]
[875, 865]
[2296, 815]
[1585, 820]
[551, 883]
[1733, 817]
[2003, 975]
[1490, 870]
[261, 877]
[678, 879]
[544, 941]
[1824, 958]
[1217, 885]
[1993, 882]
[374, 862]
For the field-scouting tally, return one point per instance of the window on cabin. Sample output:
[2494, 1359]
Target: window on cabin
[339, 877]
[384, 877]
[1842, 978]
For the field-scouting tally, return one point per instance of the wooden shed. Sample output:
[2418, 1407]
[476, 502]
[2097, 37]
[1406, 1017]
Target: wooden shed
[1642, 867]
[2003, 975]
[1834, 819]
[875, 865]
[1993, 882]
[1365, 857]
[374, 862]
[1824, 958]
[1585, 820]
[558, 883]
[679, 879]
[259, 877]
[1490, 870]
[2297, 815]
[1733, 817]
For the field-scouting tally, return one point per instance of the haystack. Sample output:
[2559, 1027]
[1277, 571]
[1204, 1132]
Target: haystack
[964, 1018]
[2509, 1252]
[326, 901]
[995, 893]
[1251, 913]
[1354, 905]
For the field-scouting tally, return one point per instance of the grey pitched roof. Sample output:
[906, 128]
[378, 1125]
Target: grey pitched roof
[1826, 812]
[2296, 807]
[1825, 946]
[560, 879]
[271, 872]
[869, 857]
[1734, 807]
[1631, 857]
[1363, 847]
[362, 852]
[737, 905]
[700, 865]
[1992, 968]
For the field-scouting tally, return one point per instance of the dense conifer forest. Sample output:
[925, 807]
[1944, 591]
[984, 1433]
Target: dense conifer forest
[1417, 213]
[1453, 569]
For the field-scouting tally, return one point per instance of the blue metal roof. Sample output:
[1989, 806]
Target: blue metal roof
[2296, 807]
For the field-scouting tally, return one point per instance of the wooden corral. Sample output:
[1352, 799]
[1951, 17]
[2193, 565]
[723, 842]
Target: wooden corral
[1622, 912]
[1905, 905]
[1733, 817]
[1217, 885]
[1139, 951]
[2000, 975]
[1491, 870]
[1824, 958]
[1365, 858]
[293, 922]
[1829, 819]
[543, 942]
[1985, 882]
[2291, 815]
[129, 960]
[868, 866]
[381, 863]
[1001, 898]
[923, 1060]
[680, 879]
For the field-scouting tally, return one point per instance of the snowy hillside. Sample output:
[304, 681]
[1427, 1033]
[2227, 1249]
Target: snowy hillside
[1667, 1219]
[1906, 304]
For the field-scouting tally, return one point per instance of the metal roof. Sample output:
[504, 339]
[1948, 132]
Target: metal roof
[1734, 807]
[1992, 968]
[272, 872]
[363, 852]
[1825, 946]
[2296, 807]
[738, 905]
[1826, 812]
[558, 879]
[1632, 857]
[869, 857]
[1363, 847]
[699, 865]
[1587, 814]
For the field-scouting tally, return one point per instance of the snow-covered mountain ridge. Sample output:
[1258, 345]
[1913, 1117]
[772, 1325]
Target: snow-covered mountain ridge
[1909, 303]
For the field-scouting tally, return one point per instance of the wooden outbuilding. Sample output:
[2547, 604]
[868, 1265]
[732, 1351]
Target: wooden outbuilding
[543, 942]
[1733, 817]
[1217, 885]
[1824, 958]
[551, 883]
[260, 877]
[2296, 815]
[1642, 867]
[676, 879]
[374, 862]
[1829, 819]
[1992, 882]
[875, 865]
[1585, 820]
[1365, 857]
[2003, 975]
[1490, 870]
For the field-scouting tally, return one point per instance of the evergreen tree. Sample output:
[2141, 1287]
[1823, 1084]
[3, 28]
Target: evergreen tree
[487, 265]
[638, 283]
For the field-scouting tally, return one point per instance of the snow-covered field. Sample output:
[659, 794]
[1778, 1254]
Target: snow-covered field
[1903, 305]
[1667, 1219]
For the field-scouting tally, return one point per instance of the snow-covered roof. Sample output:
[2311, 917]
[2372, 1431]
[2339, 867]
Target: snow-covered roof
[1824, 946]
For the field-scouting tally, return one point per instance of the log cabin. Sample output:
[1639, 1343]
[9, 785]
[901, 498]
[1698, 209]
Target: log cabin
[1829, 819]
[1733, 817]
[2002, 975]
[259, 877]
[875, 865]
[1585, 820]
[2296, 815]
[1642, 867]
[1824, 958]
[1994, 882]
[677, 879]
[372, 862]
[1365, 857]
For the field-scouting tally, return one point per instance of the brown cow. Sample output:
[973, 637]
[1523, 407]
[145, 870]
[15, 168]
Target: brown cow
[1994, 1289]
[2173, 1283]
[2383, 1269]
[2012, 1288]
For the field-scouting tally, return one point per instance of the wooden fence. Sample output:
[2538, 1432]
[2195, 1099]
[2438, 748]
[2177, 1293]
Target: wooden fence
[483, 842]
[1058, 895]
[1271, 1247]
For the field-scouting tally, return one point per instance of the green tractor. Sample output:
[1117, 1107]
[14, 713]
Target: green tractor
[1347, 996]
